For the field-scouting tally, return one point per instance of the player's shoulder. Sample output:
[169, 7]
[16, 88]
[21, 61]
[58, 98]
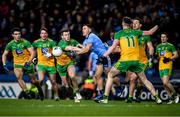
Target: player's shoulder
[11, 42]
[169, 44]
[49, 39]
[37, 40]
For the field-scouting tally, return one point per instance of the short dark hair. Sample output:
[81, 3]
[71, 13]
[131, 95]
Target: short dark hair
[88, 25]
[15, 29]
[45, 29]
[165, 33]
[127, 20]
[139, 19]
[64, 30]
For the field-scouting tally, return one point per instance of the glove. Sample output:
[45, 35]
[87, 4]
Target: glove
[71, 54]
[34, 61]
[165, 60]
[150, 63]
[47, 54]
[26, 65]
[6, 68]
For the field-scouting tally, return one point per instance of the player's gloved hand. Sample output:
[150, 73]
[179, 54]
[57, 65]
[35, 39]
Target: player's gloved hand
[47, 54]
[71, 54]
[34, 61]
[165, 60]
[26, 65]
[150, 63]
[6, 68]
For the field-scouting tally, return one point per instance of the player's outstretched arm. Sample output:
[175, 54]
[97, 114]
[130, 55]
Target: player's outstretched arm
[85, 49]
[112, 48]
[151, 31]
[32, 54]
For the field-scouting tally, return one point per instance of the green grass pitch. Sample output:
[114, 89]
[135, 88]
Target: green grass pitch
[14, 107]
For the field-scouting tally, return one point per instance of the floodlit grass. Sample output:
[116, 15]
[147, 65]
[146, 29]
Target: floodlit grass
[13, 107]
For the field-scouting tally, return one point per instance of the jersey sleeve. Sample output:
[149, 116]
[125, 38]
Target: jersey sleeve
[148, 39]
[117, 35]
[139, 33]
[75, 43]
[173, 48]
[8, 47]
[90, 39]
[27, 44]
[62, 44]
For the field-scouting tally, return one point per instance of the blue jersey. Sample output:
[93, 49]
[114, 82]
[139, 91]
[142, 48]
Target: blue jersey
[98, 46]
[93, 58]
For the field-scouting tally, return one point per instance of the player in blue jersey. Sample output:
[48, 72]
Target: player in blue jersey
[94, 44]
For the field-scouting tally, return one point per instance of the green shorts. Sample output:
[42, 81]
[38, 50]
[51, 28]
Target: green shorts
[62, 70]
[28, 70]
[133, 66]
[165, 72]
[47, 69]
[145, 66]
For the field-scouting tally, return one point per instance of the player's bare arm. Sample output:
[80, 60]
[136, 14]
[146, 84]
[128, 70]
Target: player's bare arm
[150, 48]
[112, 48]
[32, 53]
[85, 49]
[151, 31]
[175, 55]
[4, 57]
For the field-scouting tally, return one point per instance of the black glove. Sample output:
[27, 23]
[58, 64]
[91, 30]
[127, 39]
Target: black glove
[150, 62]
[71, 54]
[6, 68]
[101, 60]
[26, 65]
[34, 61]
[165, 60]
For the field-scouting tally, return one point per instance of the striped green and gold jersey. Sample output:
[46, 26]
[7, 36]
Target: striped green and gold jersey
[19, 51]
[165, 50]
[64, 59]
[143, 40]
[129, 44]
[43, 46]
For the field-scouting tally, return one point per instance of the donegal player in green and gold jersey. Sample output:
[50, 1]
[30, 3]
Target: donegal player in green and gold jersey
[66, 62]
[23, 54]
[167, 53]
[127, 39]
[144, 41]
[46, 62]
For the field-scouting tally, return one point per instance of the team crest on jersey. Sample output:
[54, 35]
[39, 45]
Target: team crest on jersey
[19, 51]
[44, 50]
[162, 52]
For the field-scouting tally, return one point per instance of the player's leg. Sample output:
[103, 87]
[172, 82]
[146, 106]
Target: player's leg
[173, 97]
[149, 86]
[111, 75]
[51, 70]
[19, 74]
[72, 74]
[139, 88]
[34, 81]
[98, 77]
[37, 84]
[132, 82]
